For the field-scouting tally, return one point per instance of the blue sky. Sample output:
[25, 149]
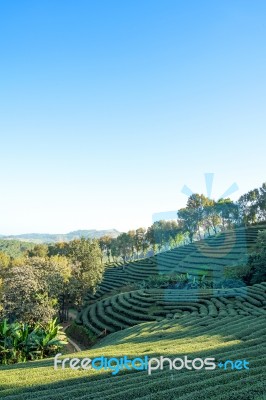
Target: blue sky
[107, 108]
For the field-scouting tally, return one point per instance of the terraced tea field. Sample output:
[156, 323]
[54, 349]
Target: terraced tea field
[240, 337]
[127, 309]
[206, 257]
[225, 324]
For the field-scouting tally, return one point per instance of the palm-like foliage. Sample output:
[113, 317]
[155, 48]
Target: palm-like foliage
[21, 342]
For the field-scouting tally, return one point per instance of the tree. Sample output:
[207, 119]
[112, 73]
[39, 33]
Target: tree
[4, 262]
[105, 246]
[124, 244]
[162, 234]
[171, 230]
[150, 236]
[60, 249]
[40, 250]
[177, 240]
[188, 218]
[262, 203]
[196, 203]
[140, 240]
[46, 286]
[257, 261]
[25, 296]
[131, 238]
[114, 249]
[87, 269]
[253, 205]
[57, 273]
[155, 235]
[228, 212]
[210, 217]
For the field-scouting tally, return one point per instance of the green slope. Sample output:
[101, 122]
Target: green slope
[131, 308]
[207, 257]
[241, 337]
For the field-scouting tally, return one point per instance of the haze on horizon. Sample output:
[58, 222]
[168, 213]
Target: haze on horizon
[109, 109]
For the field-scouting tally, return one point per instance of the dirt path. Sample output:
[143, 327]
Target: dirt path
[72, 346]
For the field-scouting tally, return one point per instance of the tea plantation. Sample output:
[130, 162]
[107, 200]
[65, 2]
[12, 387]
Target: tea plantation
[127, 309]
[206, 257]
[234, 338]
[225, 324]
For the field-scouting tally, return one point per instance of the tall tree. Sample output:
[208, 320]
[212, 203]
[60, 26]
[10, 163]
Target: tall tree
[211, 218]
[140, 240]
[188, 219]
[105, 246]
[249, 206]
[196, 203]
[262, 203]
[114, 248]
[25, 296]
[131, 238]
[124, 244]
[87, 271]
[228, 212]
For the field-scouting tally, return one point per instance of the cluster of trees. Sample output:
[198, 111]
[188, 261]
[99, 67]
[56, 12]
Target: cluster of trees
[15, 248]
[44, 282]
[135, 243]
[203, 215]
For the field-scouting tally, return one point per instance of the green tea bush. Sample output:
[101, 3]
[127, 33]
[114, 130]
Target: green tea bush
[174, 281]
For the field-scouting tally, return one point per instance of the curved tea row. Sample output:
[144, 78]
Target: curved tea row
[238, 338]
[131, 308]
[206, 257]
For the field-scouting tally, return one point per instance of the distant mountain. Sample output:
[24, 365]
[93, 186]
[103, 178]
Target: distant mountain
[65, 237]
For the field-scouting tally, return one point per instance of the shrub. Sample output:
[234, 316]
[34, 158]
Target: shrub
[174, 281]
[237, 272]
[81, 334]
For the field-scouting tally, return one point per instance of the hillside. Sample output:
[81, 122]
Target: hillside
[222, 338]
[127, 309]
[53, 238]
[206, 257]
[224, 324]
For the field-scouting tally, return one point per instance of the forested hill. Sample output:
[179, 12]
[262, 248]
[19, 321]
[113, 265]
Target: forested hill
[53, 238]
[15, 248]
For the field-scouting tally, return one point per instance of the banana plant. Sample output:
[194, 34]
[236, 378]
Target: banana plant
[21, 342]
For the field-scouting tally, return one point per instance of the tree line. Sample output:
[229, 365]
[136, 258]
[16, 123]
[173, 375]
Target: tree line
[204, 216]
[200, 217]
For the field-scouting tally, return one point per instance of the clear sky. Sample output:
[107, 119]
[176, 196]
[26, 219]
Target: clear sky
[108, 108]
